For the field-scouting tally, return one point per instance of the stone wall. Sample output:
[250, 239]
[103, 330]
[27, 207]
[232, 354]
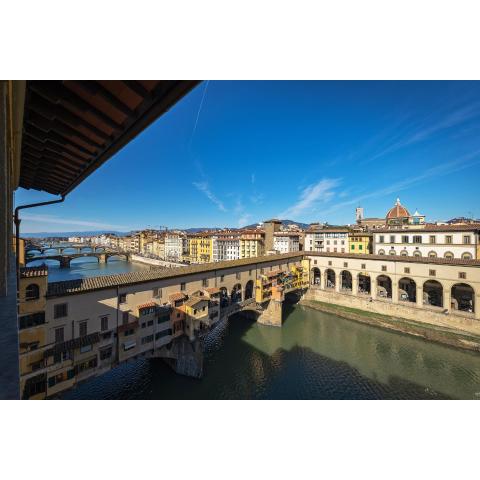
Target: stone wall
[386, 307]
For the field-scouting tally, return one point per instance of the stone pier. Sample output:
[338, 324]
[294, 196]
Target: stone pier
[184, 356]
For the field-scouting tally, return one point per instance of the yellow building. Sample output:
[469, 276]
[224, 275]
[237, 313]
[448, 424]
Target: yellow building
[252, 244]
[359, 242]
[32, 331]
[200, 248]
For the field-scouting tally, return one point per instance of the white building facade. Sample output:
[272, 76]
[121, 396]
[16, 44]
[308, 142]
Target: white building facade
[173, 247]
[452, 241]
[286, 242]
[326, 240]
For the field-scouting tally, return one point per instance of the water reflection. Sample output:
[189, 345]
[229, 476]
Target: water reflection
[314, 355]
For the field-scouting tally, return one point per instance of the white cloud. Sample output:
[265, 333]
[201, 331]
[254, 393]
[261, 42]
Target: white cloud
[310, 197]
[204, 188]
[439, 170]
[50, 219]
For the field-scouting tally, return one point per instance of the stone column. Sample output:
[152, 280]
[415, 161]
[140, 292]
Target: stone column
[338, 282]
[447, 298]
[395, 291]
[373, 287]
[419, 296]
[272, 315]
[354, 284]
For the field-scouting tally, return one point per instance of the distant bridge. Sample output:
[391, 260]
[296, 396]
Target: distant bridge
[78, 247]
[65, 259]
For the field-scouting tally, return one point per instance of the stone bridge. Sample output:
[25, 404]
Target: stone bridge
[66, 259]
[79, 248]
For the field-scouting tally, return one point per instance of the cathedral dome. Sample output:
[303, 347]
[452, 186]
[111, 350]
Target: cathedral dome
[398, 211]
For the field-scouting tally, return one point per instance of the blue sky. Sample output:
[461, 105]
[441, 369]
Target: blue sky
[234, 153]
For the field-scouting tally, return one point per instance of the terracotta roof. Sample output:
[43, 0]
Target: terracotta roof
[398, 210]
[71, 287]
[212, 290]
[397, 258]
[174, 297]
[195, 301]
[432, 228]
[28, 272]
[147, 305]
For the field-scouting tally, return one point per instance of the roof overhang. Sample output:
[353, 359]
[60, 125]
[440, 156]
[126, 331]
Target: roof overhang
[70, 128]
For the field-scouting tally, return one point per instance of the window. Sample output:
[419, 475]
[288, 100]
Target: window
[222, 278]
[392, 252]
[462, 275]
[433, 239]
[122, 298]
[448, 239]
[329, 263]
[448, 255]
[250, 273]
[314, 262]
[406, 270]
[129, 332]
[353, 247]
[125, 317]
[105, 353]
[60, 310]
[364, 266]
[404, 238]
[381, 252]
[104, 323]
[404, 253]
[392, 238]
[147, 339]
[157, 292]
[417, 239]
[466, 256]
[163, 333]
[182, 286]
[345, 264]
[82, 328]
[360, 247]
[381, 239]
[29, 321]
[59, 335]
[149, 323]
[466, 239]
[32, 292]
[384, 268]
[205, 282]
[432, 273]
[432, 255]
[86, 348]
[417, 253]
[237, 275]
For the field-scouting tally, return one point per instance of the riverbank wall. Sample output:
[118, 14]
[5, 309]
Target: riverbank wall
[153, 261]
[456, 332]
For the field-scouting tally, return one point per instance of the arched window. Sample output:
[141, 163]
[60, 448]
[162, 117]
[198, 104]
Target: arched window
[392, 252]
[466, 256]
[381, 252]
[448, 255]
[432, 254]
[404, 253]
[417, 253]
[32, 292]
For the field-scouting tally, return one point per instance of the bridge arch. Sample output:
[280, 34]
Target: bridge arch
[463, 297]
[236, 295]
[407, 290]
[315, 276]
[346, 280]
[433, 293]
[364, 284]
[73, 259]
[249, 289]
[330, 278]
[116, 257]
[384, 286]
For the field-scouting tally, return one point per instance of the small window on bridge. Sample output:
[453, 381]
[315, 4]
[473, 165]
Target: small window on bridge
[60, 310]
[182, 286]
[122, 298]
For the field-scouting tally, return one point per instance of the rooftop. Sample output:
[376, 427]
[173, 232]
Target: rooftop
[71, 287]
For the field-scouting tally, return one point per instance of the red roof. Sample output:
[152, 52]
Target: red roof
[147, 305]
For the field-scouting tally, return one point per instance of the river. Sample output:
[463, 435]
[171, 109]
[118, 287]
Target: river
[86, 266]
[314, 355]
